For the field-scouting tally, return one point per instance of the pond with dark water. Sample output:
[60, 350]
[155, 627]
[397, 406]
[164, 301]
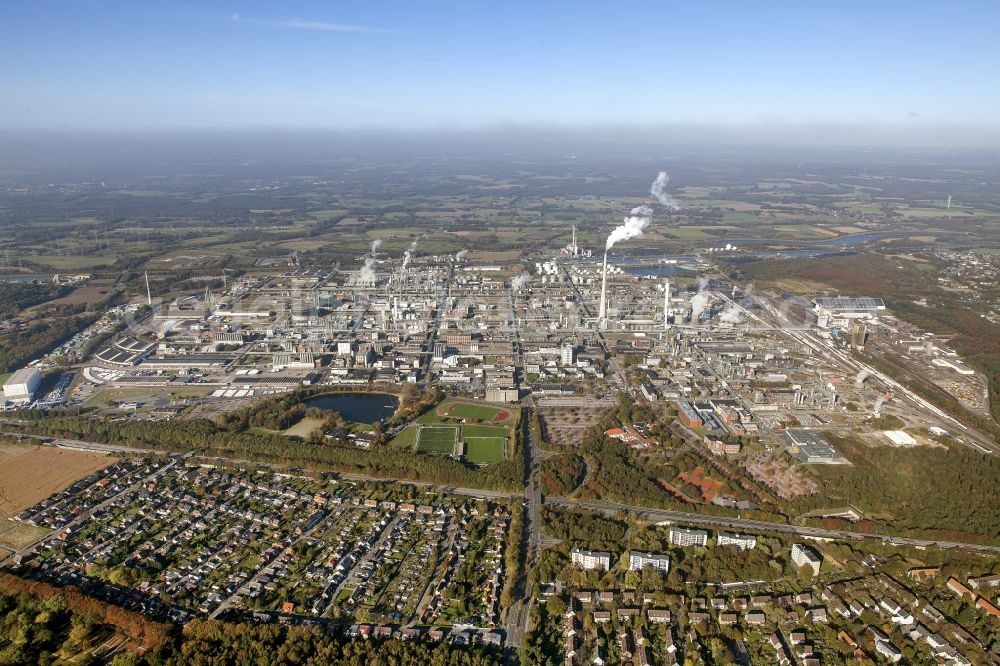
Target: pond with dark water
[357, 407]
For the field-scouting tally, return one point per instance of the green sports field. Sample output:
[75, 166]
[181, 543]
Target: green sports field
[437, 439]
[485, 450]
[484, 431]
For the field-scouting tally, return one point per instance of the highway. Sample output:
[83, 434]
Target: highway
[745, 524]
[516, 620]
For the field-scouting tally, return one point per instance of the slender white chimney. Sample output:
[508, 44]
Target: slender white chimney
[574, 239]
[149, 294]
[666, 304]
[602, 315]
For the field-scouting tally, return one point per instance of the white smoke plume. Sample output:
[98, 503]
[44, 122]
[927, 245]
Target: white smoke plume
[703, 283]
[520, 281]
[408, 254]
[749, 299]
[861, 377]
[878, 405]
[698, 305]
[460, 255]
[732, 315]
[376, 244]
[634, 224]
[659, 191]
[366, 275]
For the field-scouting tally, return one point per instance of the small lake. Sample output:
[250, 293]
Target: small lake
[658, 271]
[843, 240]
[357, 407]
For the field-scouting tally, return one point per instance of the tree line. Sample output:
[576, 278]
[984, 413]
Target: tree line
[203, 436]
[40, 622]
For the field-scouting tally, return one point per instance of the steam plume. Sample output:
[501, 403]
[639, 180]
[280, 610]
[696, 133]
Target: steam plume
[460, 255]
[366, 275]
[634, 224]
[376, 244]
[658, 190]
[698, 305]
[732, 315]
[408, 254]
[520, 281]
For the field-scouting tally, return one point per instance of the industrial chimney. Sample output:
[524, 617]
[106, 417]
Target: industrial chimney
[602, 315]
[666, 305]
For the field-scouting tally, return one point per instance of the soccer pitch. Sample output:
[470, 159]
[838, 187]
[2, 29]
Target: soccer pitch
[437, 439]
[485, 450]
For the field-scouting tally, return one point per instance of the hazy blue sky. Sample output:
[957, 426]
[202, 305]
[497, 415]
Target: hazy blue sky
[102, 64]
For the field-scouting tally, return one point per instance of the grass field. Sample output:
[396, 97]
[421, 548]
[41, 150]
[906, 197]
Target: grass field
[485, 450]
[407, 438]
[484, 431]
[437, 439]
[100, 397]
[11, 450]
[303, 428]
[80, 295]
[14, 535]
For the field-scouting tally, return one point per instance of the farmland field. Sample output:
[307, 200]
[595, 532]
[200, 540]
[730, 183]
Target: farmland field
[34, 474]
[14, 535]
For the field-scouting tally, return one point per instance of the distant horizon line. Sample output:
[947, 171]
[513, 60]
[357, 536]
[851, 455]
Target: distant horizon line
[783, 134]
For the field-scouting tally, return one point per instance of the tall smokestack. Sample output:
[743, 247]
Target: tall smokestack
[603, 310]
[149, 294]
[574, 239]
[666, 304]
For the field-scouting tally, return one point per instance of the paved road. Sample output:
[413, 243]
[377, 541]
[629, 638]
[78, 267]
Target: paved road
[351, 576]
[243, 589]
[663, 515]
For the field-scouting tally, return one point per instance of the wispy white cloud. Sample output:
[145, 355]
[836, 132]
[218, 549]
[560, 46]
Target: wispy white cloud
[302, 24]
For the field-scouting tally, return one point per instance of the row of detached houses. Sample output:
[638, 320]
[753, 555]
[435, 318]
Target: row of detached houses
[981, 602]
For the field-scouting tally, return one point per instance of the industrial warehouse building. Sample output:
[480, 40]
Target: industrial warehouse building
[21, 386]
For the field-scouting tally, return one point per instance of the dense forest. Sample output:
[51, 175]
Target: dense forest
[561, 474]
[583, 528]
[15, 297]
[39, 621]
[38, 338]
[43, 624]
[931, 491]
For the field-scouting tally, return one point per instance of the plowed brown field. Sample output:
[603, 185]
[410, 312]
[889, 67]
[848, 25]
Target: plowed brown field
[34, 474]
